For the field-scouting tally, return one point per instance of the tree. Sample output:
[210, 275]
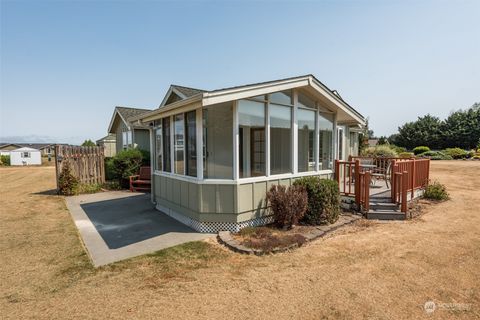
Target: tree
[382, 140]
[88, 143]
[426, 131]
[462, 128]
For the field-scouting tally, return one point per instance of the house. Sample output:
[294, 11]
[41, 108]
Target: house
[216, 153]
[6, 148]
[45, 149]
[109, 143]
[25, 156]
[128, 133]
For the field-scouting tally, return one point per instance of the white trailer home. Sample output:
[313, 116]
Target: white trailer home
[25, 157]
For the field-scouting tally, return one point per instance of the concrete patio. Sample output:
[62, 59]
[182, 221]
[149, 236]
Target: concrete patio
[119, 225]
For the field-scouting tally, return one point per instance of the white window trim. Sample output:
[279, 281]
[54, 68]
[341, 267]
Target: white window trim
[241, 180]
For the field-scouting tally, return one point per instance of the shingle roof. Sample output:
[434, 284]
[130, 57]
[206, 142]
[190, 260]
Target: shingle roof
[186, 91]
[128, 113]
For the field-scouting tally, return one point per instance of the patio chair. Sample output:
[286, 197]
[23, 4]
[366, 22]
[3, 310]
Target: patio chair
[382, 172]
[141, 181]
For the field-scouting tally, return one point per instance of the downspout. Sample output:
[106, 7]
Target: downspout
[153, 151]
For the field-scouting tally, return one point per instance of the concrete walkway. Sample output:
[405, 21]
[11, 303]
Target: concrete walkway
[118, 225]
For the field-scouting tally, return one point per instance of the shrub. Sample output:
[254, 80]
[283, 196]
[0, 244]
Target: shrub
[110, 173]
[436, 191]
[125, 164]
[406, 155]
[145, 157]
[398, 149]
[435, 155]
[287, 204]
[456, 153]
[5, 160]
[420, 149]
[379, 151]
[67, 182]
[323, 200]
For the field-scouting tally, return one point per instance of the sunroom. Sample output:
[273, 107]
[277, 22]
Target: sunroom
[216, 153]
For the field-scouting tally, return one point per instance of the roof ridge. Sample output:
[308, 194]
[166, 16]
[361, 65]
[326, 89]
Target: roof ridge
[177, 85]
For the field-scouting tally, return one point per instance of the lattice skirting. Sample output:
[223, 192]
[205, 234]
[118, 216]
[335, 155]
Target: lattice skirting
[214, 227]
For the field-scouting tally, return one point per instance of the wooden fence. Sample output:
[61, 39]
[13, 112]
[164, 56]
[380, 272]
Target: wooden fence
[86, 163]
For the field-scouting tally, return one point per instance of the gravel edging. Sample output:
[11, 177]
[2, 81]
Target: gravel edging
[225, 237]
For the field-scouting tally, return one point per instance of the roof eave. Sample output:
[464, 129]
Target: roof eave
[153, 115]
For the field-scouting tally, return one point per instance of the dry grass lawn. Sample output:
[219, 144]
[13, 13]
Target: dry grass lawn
[369, 270]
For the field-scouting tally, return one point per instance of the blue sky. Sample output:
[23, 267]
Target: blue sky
[66, 64]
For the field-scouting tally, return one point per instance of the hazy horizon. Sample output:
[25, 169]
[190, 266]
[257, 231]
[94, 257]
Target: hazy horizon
[64, 66]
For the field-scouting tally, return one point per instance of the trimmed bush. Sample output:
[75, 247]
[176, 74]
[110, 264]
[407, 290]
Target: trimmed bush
[67, 182]
[420, 149]
[5, 160]
[125, 164]
[436, 191]
[435, 155]
[288, 205]
[406, 155]
[379, 151]
[456, 153]
[323, 200]
[110, 173]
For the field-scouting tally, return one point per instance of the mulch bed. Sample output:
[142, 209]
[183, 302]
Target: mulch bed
[269, 239]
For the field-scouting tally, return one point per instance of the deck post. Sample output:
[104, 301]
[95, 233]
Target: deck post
[367, 191]
[392, 179]
[358, 187]
[413, 177]
[404, 192]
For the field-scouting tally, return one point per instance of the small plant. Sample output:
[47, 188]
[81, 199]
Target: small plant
[435, 155]
[88, 188]
[436, 191]
[287, 204]
[420, 150]
[323, 200]
[456, 153]
[406, 155]
[110, 173]
[5, 160]
[67, 182]
[379, 151]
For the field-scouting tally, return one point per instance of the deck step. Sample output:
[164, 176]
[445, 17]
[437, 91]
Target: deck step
[385, 215]
[384, 206]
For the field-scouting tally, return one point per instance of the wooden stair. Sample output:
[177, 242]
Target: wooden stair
[382, 208]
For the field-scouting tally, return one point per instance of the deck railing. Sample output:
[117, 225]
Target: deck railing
[405, 175]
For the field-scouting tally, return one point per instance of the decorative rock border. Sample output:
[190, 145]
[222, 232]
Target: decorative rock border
[225, 237]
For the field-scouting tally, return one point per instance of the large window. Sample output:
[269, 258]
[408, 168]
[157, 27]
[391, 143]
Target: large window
[306, 140]
[158, 147]
[178, 144]
[340, 144]
[191, 143]
[167, 164]
[280, 139]
[218, 132]
[127, 139]
[325, 151]
[251, 122]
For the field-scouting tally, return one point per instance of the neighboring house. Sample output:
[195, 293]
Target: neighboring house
[129, 134]
[25, 156]
[6, 148]
[44, 148]
[109, 143]
[372, 142]
[218, 152]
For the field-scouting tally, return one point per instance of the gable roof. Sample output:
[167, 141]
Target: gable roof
[25, 149]
[179, 91]
[126, 114]
[345, 114]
